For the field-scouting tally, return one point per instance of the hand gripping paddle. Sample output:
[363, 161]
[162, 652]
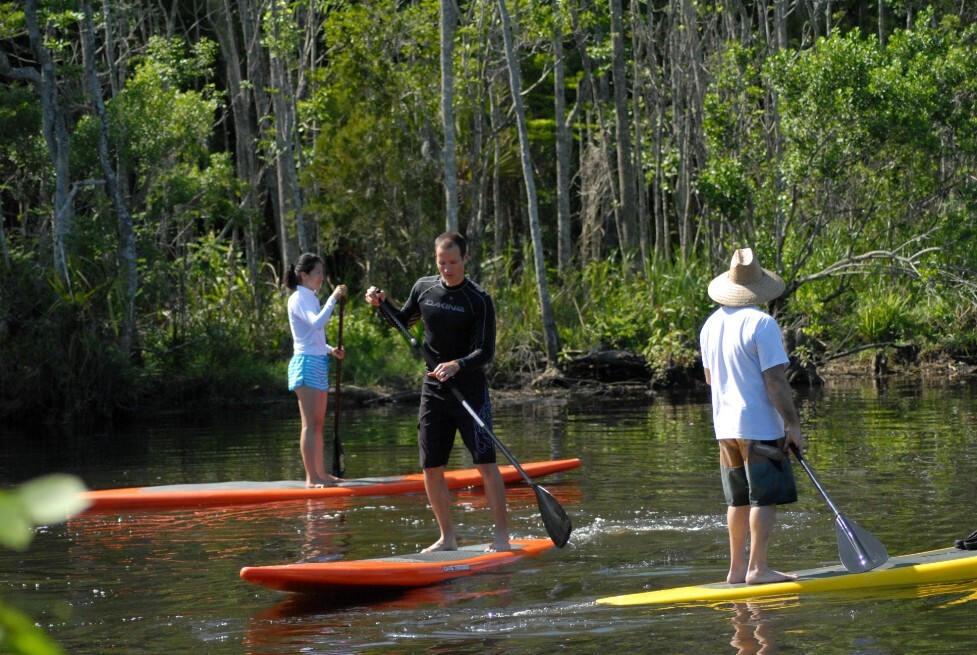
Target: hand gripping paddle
[555, 518]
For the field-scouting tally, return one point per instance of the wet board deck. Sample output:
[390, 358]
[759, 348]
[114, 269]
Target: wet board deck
[931, 567]
[239, 492]
[399, 572]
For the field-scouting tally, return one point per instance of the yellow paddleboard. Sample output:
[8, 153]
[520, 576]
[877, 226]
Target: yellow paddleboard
[935, 566]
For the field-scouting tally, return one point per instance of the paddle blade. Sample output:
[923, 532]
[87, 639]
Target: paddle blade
[859, 550]
[555, 518]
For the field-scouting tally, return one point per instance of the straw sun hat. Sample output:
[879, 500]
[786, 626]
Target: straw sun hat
[745, 283]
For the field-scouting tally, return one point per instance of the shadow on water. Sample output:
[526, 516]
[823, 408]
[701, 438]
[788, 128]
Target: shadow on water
[646, 505]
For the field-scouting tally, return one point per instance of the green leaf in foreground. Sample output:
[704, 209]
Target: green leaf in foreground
[48, 499]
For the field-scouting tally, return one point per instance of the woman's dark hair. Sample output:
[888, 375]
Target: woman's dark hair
[306, 263]
[449, 239]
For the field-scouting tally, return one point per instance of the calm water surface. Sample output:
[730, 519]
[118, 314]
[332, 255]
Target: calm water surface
[646, 505]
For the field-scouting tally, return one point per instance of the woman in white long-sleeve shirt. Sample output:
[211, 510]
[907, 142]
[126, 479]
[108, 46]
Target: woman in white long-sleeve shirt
[308, 370]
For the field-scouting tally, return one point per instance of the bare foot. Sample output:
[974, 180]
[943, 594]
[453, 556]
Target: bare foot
[499, 545]
[441, 544]
[768, 576]
[736, 575]
[328, 481]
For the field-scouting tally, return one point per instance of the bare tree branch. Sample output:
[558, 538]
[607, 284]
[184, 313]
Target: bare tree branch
[862, 263]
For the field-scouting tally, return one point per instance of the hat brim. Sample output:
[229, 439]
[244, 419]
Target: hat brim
[728, 293]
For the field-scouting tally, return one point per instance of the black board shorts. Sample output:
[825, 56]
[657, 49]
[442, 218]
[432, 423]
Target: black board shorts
[440, 417]
[750, 478]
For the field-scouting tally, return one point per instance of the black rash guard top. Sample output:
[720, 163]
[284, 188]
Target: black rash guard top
[459, 324]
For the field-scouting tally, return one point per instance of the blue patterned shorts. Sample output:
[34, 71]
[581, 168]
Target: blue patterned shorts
[310, 371]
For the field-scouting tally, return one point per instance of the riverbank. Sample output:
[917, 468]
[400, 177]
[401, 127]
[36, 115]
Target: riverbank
[625, 376]
[600, 375]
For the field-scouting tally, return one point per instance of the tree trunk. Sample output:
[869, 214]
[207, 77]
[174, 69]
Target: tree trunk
[882, 34]
[113, 70]
[245, 144]
[478, 84]
[127, 235]
[780, 23]
[639, 119]
[600, 197]
[286, 140]
[447, 31]
[257, 68]
[550, 335]
[622, 126]
[3, 243]
[480, 161]
[495, 116]
[55, 129]
[564, 144]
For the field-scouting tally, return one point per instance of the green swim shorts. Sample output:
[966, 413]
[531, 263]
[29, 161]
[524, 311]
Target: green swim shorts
[750, 478]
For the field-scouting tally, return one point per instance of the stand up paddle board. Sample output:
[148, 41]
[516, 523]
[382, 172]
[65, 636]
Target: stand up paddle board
[230, 493]
[399, 572]
[931, 567]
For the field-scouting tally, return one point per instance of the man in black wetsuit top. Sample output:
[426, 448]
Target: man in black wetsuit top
[459, 335]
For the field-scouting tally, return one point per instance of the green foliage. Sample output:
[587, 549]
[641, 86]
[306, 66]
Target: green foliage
[725, 186]
[49, 499]
[159, 123]
[875, 156]
[373, 180]
[732, 181]
[280, 29]
[23, 157]
[57, 345]
[883, 167]
[519, 328]
[657, 313]
[178, 64]
[216, 333]
[376, 354]
[884, 315]
[11, 19]
[19, 635]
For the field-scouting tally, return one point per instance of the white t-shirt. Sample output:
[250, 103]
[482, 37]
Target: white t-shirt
[738, 344]
[308, 321]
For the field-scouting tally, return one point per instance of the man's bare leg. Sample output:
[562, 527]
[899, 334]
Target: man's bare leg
[495, 494]
[738, 524]
[440, 499]
[762, 520]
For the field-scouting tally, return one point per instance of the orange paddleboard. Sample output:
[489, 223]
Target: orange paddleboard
[239, 492]
[398, 572]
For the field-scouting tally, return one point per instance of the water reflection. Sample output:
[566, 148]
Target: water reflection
[753, 632]
[326, 538]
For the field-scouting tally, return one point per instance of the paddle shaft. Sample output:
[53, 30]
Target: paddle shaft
[338, 455]
[814, 479]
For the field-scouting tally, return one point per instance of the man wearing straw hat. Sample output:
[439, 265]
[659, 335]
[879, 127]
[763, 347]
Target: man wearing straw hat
[752, 410]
